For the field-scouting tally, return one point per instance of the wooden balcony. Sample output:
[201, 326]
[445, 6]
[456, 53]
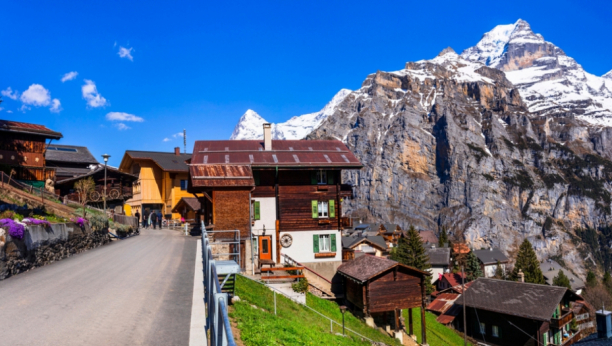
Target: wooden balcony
[558, 323]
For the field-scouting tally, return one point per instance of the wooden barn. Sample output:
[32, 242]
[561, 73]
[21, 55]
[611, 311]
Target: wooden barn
[22, 148]
[377, 286]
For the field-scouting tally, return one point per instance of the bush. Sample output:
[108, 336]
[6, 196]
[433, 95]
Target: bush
[98, 222]
[301, 286]
[15, 229]
[9, 214]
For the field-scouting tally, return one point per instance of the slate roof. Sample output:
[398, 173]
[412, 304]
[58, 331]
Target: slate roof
[100, 168]
[32, 129]
[350, 242]
[168, 161]
[69, 153]
[550, 269]
[362, 226]
[191, 202]
[367, 266]
[390, 227]
[532, 301]
[439, 256]
[284, 153]
[490, 256]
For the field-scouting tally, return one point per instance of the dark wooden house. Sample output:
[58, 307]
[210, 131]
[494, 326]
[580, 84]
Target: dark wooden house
[22, 148]
[513, 313]
[378, 286]
[283, 195]
[69, 161]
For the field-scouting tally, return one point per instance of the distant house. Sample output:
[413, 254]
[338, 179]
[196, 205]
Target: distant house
[513, 313]
[70, 161]
[488, 261]
[448, 280]
[428, 237]
[376, 245]
[439, 259]
[550, 269]
[390, 231]
[189, 208]
[22, 149]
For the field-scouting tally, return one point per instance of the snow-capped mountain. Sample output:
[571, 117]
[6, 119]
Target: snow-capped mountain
[250, 125]
[608, 75]
[550, 82]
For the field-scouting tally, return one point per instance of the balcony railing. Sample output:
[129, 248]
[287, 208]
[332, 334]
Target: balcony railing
[558, 323]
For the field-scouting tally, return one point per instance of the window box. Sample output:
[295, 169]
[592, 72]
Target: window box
[324, 222]
[325, 254]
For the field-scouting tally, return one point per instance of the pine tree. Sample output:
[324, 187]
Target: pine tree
[562, 280]
[527, 261]
[499, 272]
[472, 268]
[591, 279]
[410, 251]
[442, 242]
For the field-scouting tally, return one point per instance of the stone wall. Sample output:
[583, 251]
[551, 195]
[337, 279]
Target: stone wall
[44, 245]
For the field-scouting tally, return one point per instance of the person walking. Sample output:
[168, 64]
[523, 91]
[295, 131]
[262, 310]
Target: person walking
[159, 219]
[154, 219]
[137, 216]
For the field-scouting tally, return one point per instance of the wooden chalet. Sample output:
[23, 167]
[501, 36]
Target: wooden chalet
[375, 286]
[22, 148]
[69, 161]
[390, 231]
[513, 313]
[189, 208]
[283, 195]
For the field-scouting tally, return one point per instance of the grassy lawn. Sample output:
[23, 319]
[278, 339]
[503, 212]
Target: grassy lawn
[294, 324]
[437, 334]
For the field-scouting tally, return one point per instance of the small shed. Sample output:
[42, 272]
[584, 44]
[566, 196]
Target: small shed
[375, 285]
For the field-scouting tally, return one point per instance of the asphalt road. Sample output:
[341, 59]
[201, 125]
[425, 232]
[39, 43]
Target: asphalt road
[136, 291]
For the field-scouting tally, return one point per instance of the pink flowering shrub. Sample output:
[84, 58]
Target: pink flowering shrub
[15, 230]
[79, 221]
[37, 222]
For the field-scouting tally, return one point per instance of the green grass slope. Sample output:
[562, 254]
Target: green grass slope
[294, 324]
[437, 334]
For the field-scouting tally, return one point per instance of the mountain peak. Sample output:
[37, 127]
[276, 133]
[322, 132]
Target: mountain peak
[447, 50]
[608, 75]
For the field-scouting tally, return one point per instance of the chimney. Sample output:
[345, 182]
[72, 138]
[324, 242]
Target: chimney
[267, 129]
[177, 151]
[521, 275]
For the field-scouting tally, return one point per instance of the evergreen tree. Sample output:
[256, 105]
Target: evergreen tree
[472, 268]
[607, 282]
[410, 251]
[527, 261]
[499, 272]
[562, 280]
[591, 279]
[442, 242]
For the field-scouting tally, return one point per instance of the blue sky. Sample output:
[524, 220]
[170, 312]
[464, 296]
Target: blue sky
[200, 65]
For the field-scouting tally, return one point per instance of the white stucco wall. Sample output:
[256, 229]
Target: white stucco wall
[267, 214]
[301, 249]
[489, 270]
[435, 273]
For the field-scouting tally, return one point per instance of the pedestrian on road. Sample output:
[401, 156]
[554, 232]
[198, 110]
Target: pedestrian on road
[153, 219]
[159, 219]
[137, 216]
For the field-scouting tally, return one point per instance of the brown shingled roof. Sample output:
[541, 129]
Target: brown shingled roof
[221, 176]
[33, 129]
[367, 266]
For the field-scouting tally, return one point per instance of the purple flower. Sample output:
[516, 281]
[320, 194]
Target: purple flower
[15, 230]
[79, 221]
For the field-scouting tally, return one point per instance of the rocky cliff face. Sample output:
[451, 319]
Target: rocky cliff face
[450, 142]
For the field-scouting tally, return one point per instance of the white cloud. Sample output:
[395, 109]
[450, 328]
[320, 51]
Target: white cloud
[13, 95]
[125, 53]
[176, 135]
[9, 111]
[1, 108]
[91, 95]
[167, 139]
[122, 127]
[69, 76]
[36, 95]
[121, 116]
[55, 106]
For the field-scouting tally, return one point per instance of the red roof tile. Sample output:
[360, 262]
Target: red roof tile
[452, 278]
[221, 176]
[35, 129]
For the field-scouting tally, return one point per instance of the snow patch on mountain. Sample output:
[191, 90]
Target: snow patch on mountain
[250, 125]
[548, 80]
[608, 75]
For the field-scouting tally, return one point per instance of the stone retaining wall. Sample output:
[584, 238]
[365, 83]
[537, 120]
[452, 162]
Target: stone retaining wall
[44, 245]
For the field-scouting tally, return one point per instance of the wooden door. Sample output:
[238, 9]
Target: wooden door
[265, 247]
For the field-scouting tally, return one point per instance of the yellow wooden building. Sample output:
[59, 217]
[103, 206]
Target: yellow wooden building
[162, 180]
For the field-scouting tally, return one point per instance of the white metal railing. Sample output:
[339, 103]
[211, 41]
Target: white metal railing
[215, 301]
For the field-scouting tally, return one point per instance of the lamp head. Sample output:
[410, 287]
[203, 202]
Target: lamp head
[105, 156]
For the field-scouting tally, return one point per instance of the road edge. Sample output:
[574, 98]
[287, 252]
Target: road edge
[197, 335]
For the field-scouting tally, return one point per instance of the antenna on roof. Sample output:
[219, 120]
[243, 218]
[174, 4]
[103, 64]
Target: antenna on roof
[184, 141]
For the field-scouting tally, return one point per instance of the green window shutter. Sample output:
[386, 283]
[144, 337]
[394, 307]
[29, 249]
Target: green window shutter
[332, 208]
[315, 243]
[315, 209]
[257, 179]
[332, 238]
[313, 177]
[257, 210]
[545, 339]
[330, 177]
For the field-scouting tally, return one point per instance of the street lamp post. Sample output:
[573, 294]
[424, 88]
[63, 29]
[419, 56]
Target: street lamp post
[343, 309]
[105, 156]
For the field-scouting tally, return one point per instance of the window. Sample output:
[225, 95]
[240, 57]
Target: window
[495, 332]
[323, 209]
[324, 243]
[321, 177]
[483, 329]
[183, 185]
